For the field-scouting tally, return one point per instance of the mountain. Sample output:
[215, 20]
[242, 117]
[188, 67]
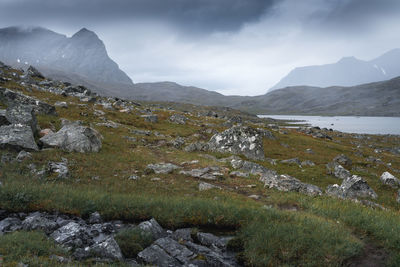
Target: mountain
[372, 99]
[348, 71]
[81, 56]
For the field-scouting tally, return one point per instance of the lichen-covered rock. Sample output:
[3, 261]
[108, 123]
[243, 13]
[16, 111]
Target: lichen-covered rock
[295, 161]
[337, 170]
[17, 137]
[208, 173]
[10, 225]
[343, 160]
[60, 168]
[388, 179]
[352, 187]
[152, 227]
[206, 186]
[163, 168]
[23, 155]
[24, 115]
[74, 137]
[37, 221]
[239, 140]
[108, 249]
[197, 146]
[288, 183]
[11, 98]
[178, 118]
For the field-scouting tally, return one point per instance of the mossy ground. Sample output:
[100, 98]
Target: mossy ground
[321, 232]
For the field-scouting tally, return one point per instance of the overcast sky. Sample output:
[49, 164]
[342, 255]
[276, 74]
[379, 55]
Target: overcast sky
[230, 46]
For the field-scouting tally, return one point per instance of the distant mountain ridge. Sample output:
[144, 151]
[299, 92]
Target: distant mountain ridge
[82, 54]
[83, 59]
[348, 71]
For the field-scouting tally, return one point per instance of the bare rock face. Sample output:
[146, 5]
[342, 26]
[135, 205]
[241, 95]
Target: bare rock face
[352, 187]
[17, 137]
[239, 140]
[74, 137]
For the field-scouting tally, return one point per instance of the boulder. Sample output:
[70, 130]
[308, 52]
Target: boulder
[70, 235]
[352, 187]
[210, 240]
[38, 221]
[295, 161]
[23, 155]
[288, 183]
[343, 160]
[108, 249]
[206, 186]
[11, 98]
[388, 179]
[337, 170]
[24, 115]
[178, 119]
[181, 235]
[17, 137]
[95, 217]
[60, 168]
[265, 133]
[10, 225]
[61, 104]
[177, 142]
[156, 256]
[163, 168]
[239, 140]
[198, 146]
[74, 137]
[152, 227]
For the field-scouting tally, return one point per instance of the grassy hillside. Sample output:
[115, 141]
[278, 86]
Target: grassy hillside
[279, 228]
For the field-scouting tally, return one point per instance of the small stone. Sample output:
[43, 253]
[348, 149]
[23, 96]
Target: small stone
[23, 155]
[61, 104]
[150, 118]
[206, 186]
[256, 197]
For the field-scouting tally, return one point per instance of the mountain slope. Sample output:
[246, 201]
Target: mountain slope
[348, 71]
[83, 54]
[373, 99]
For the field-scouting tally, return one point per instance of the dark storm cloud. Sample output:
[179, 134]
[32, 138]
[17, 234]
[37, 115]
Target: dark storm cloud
[191, 15]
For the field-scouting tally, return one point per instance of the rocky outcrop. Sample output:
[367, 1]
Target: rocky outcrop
[19, 114]
[337, 170]
[163, 168]
[239, 140]
[74, 137]
[17, 137]
[388, 179]
[13, 98]
[352, 187]
[288, 183]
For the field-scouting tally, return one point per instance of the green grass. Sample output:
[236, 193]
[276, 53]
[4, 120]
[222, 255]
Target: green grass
[132, 241]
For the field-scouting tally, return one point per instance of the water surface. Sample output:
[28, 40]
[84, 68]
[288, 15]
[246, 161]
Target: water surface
[347, 124]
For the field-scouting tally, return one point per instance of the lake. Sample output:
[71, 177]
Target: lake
[348, 124]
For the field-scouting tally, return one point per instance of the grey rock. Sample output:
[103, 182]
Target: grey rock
[60, 168]
[267, 134]
[352, 187]
[107, 249]
[10, 225]
[291, 161]
[208, 173]
[61, 104]
[177, 142]
[152, 227]
[388, 179]
[17, 137]
[95, 217]
[163, 168]
[109, 124]
[288, 183]
[337, 170]
[213, 258]
[307, 163]
[33, 72]
[343, 160]
[210, 240]
[239, 174]
[24, 115]
[150, 118]
[74, 138]
[184, 234]
[38, 221]
[68, 233]
[11, 98]
[3, 118]
[198, 146]
[174, 249]
[23, 155]
[140, 132]
[178, 118]
[239, 140]
[206, 186]
[156, 256]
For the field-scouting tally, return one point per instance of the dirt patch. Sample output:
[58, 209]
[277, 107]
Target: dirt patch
[372, 255]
